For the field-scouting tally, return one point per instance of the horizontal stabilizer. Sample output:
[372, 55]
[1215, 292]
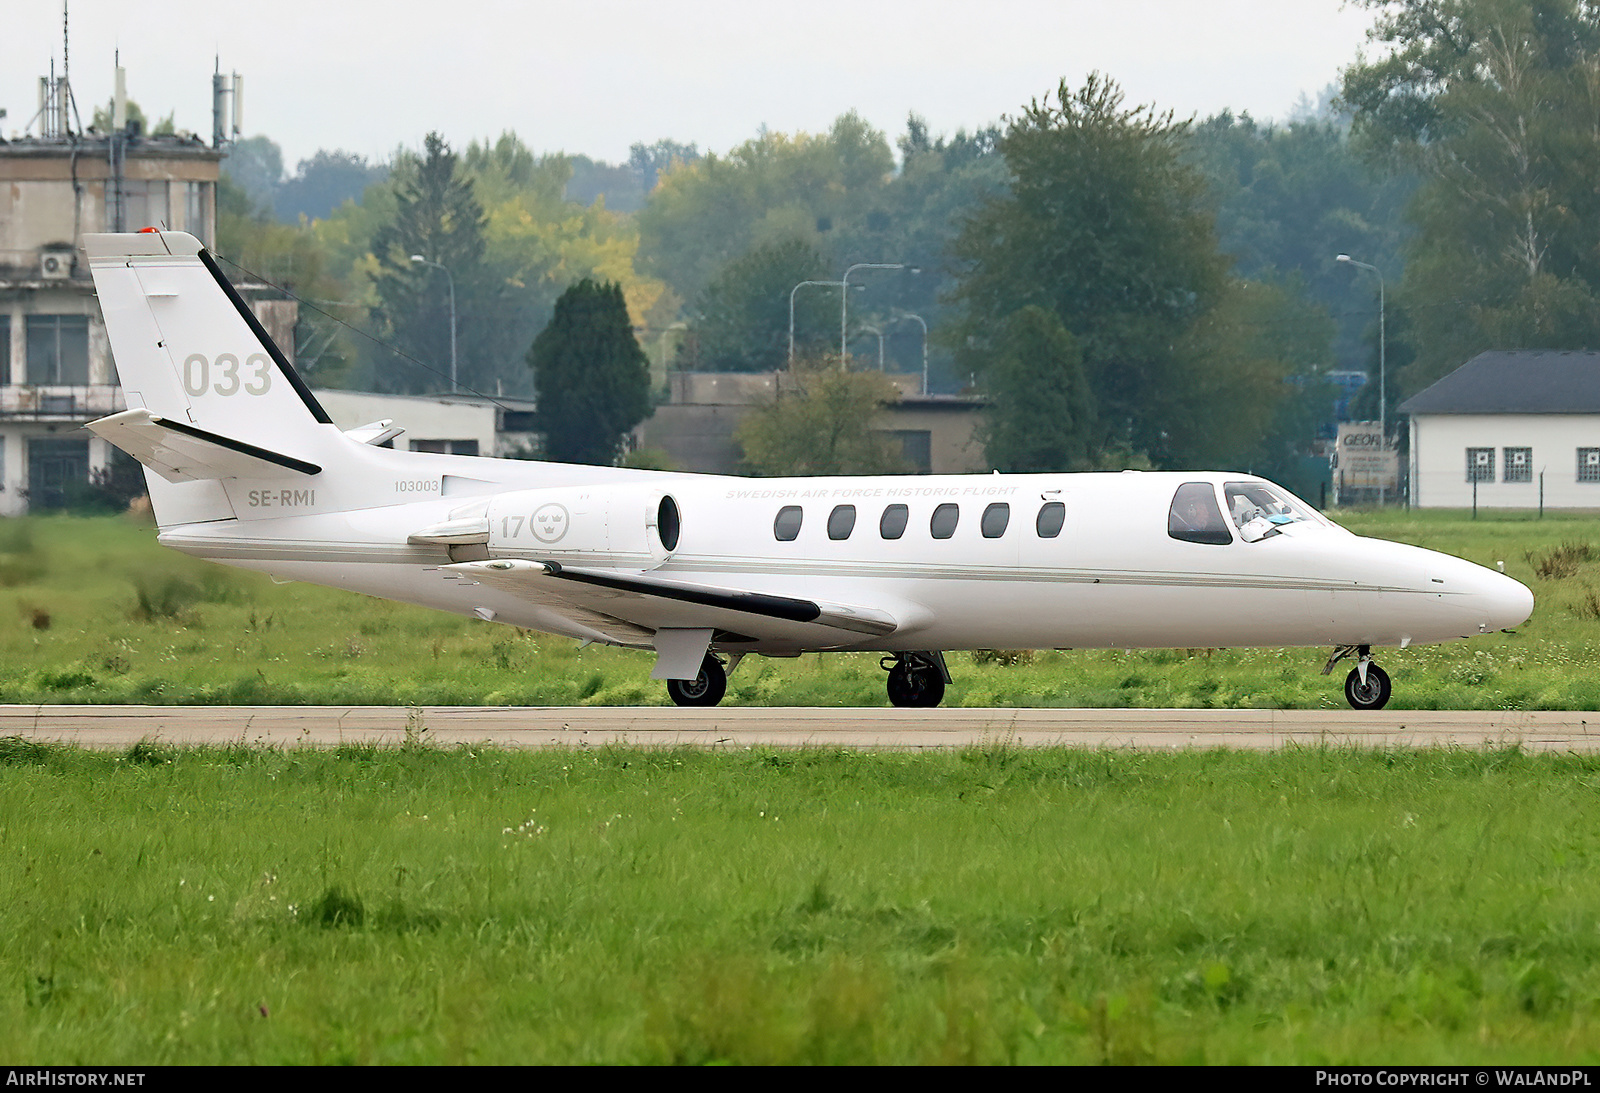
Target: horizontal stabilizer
[183, 453]
[523, 574]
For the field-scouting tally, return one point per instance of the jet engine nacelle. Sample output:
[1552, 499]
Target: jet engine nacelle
[628, 526]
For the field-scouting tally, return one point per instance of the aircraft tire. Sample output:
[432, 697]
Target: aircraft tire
[705, 689]
[915, 686]
[1374, 696]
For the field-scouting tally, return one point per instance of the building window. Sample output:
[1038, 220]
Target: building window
[916, 448]
[5, 349]
[943, 524]
[446, 447]
[195, 209]
[58, 350]
[841, 521]
[145, 205]
[57, 471]
[994, 521]
[1589, 464]
[1480, 464]
[786, 528]
[892, 524]
[1519, 465]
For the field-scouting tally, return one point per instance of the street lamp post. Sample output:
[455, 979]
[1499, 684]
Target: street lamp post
[792, 291]
[421, 261]
[1383, 375]
[844, 299]
[920, 321]
[864, 329]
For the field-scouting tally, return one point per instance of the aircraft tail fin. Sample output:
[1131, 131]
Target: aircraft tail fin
[210, 395]
[187, 346]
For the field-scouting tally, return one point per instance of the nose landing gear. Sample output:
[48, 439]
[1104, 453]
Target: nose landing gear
[916, 679]
[1367, 686]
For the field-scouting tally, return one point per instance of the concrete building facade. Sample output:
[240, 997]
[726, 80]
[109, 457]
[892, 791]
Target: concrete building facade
[56, 371]
[696, 426]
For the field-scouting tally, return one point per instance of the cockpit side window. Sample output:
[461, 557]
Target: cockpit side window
[1195, 517]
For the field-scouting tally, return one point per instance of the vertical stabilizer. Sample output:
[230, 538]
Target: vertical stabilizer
[189, 350]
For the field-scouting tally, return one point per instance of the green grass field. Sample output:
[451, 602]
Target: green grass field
[416, 905]
[421, 906]
[103, 614]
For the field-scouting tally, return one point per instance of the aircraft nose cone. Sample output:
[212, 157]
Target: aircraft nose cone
[1510, 603]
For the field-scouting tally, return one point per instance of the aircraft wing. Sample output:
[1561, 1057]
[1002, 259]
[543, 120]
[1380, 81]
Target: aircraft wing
[655, 602]
[180, 452]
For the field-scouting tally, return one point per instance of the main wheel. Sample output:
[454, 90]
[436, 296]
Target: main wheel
[915, 686]
[705, 689]
[1373, 695]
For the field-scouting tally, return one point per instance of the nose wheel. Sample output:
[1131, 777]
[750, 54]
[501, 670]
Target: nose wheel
[915, 679]
[1367, 686]
[1371, 693]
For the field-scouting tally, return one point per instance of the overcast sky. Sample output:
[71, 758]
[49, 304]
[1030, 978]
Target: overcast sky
[596, 76]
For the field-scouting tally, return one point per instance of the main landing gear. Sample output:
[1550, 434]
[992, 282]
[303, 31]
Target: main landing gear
[705, 689]
[1367, 685]
[916, 679]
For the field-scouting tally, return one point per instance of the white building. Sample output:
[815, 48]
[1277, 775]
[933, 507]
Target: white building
[451, 424]
[1521, 427]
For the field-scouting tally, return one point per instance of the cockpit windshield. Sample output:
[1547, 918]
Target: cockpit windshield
[1259, 510]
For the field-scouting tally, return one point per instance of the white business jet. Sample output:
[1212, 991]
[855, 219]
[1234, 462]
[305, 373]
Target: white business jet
[245, 468]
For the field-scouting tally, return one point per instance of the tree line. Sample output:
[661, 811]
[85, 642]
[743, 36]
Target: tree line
[1127, 288]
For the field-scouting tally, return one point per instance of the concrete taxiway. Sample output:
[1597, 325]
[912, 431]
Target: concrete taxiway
[731, 727]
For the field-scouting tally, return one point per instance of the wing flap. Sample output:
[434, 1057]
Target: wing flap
[183, 453]
[533, 577]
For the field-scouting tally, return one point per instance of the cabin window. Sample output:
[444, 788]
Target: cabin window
[1052, 517]
[995, 519]
[1480, 464]
[943, 524]
[892, 524]
[1195, 517]
[1589, 464]
[841, 521]
[787, 526]
[1519, 465]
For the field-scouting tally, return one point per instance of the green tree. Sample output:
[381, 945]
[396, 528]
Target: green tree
[1291, 198]
[592, 379]
[249, 240]
[255, 164]
[1107, 228]
[436, 216]
[324, 182]
[1497, 102]
[823, 427]
[706, 213]
[742, 320]
[1041, 414]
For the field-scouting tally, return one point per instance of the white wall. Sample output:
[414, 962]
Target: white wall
[1439, 444]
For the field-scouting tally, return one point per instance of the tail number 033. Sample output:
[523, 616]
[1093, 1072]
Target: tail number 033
[224, 375]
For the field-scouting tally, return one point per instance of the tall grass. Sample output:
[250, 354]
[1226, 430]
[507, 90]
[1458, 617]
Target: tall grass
[418, 906]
